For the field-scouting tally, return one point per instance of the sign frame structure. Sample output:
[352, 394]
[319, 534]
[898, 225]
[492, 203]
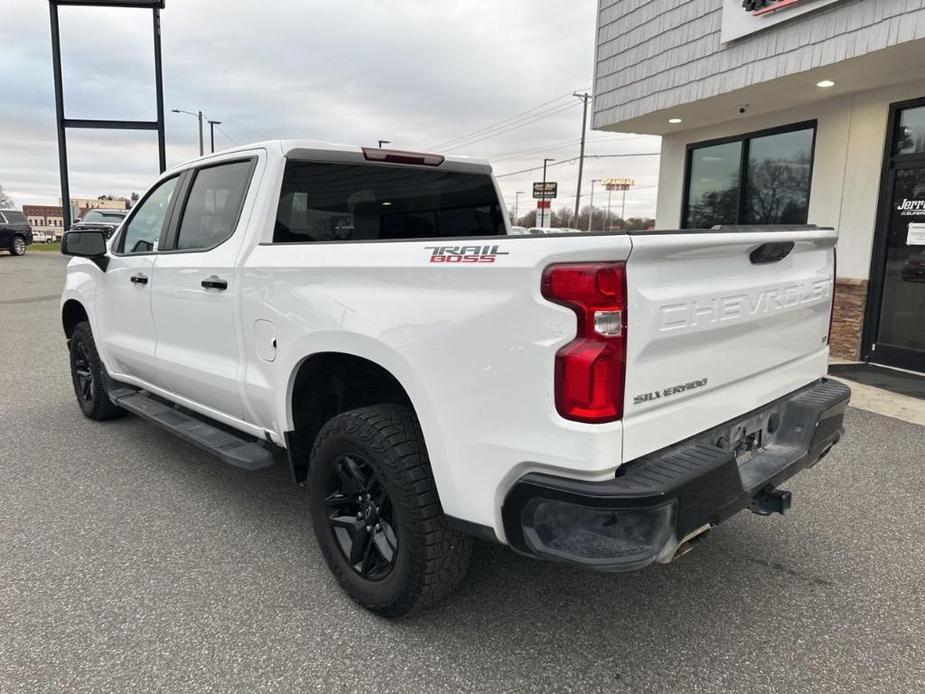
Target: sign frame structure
[739, 21]
[63, 123]
[551, 191]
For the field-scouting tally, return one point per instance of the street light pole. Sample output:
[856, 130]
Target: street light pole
[544, 199]
[581, 157]
[197, 115]
[384, 142]
[212, 124]
[591, 213]
[517, 203]
[607, 218]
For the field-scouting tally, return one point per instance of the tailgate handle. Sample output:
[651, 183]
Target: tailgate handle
[771, 252]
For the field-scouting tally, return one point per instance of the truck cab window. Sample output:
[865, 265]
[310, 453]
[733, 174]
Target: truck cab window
[214, 205]
[144, 229]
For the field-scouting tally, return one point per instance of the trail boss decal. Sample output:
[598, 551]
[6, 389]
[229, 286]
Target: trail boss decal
[668, 392]
[464, 254]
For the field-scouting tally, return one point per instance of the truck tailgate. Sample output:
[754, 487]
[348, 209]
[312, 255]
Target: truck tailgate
[720, 323]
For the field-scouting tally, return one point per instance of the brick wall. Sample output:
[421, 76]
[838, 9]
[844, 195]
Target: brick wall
[848, 318]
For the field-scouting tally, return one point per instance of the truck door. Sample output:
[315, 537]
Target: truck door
[126, 324]
[194, 300]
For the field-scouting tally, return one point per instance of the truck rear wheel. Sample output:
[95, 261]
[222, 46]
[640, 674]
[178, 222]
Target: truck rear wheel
[87, 375]
[19, 246]
[376, 514]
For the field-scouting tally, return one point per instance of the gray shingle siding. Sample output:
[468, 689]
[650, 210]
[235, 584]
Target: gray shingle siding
[655, 54]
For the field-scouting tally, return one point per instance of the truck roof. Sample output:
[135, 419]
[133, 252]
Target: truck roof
[317, 149]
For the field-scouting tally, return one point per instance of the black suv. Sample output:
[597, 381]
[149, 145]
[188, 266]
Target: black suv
[15, 232]
[106, 221]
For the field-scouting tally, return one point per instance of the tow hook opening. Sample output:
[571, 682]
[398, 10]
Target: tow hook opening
[771, 501]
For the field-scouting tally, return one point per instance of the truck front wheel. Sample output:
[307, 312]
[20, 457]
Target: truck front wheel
[87, 375]
[376, 514]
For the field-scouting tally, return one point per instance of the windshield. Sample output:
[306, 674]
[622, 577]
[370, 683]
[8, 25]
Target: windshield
[100, 216]
[348, 202]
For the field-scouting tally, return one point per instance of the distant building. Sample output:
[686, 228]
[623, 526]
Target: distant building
[100, 203]
[48, 218]
[788, 112]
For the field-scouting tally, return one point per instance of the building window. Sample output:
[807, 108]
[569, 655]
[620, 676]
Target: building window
[760, 178]
[910, 135]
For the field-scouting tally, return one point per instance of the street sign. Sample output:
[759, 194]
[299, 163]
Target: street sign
[549, 192]
[544, 204]
[619, 183]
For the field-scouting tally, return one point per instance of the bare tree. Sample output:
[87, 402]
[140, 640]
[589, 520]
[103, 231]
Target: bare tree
[6, 202]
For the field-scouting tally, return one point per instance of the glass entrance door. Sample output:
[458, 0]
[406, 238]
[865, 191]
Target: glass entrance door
[899, 336]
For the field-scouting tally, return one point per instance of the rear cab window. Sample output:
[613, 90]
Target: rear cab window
[325, 202]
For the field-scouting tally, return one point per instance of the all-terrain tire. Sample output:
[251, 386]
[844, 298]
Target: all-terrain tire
[87, 374]
[431, 559]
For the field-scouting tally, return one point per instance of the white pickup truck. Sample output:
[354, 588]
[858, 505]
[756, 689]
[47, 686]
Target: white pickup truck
[598, 399]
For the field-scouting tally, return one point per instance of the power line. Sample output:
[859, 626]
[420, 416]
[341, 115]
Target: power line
[222, 131]
[466, 136]
[574, 159]
[515, 126]
[544, 148]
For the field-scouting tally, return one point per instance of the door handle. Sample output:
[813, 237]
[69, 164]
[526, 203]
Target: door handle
[139, 279]
[213, 282]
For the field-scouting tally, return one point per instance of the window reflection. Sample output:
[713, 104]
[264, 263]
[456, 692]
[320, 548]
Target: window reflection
[777, 184]
[713, 195]
[910, 135]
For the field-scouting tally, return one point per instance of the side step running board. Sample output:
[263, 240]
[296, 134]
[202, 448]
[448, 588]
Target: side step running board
[235, 450]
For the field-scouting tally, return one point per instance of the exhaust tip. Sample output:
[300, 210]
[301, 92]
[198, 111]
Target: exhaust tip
[687, 544]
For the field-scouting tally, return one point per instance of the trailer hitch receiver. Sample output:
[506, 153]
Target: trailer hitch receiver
[771, 501]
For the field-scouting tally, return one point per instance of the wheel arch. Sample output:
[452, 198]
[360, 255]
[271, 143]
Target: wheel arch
[72, 314]
[327, 383]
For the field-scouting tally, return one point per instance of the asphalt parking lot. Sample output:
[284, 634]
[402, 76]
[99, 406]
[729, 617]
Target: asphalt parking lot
[130, 560]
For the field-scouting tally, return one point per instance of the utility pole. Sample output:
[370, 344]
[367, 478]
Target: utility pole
[591, 213]
[212, 124]
[607, 218]
[623, 211]
[581, 157]
[544, 199]
[516, 203]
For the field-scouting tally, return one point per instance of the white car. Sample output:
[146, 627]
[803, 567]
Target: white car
[41, 237]
[601, 400]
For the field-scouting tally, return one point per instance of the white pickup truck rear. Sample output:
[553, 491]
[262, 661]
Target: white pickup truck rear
[597, 399]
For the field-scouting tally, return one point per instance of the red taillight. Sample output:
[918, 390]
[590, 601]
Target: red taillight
[395, 156]
[591, 369]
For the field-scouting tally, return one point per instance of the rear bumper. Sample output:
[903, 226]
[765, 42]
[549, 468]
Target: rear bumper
[657, 502]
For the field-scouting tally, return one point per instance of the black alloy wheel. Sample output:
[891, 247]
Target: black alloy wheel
[360, 517]
[83, 374]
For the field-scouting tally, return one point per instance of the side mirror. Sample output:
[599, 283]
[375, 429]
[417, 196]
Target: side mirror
[86, 244]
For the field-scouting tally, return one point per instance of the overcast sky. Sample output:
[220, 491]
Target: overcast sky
[421, 74]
